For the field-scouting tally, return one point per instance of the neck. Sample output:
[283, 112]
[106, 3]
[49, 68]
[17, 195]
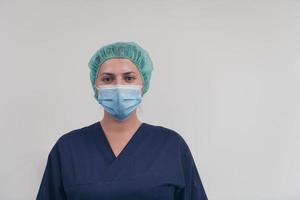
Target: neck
[116, 126]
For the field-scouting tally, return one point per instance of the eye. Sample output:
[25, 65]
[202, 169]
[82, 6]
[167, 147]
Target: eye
[130, 78]
[106, 79]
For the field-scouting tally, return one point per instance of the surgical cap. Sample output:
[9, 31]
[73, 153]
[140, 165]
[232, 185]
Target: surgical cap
[129, 50]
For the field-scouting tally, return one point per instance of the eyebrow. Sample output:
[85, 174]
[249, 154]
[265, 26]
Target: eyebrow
[126, 73]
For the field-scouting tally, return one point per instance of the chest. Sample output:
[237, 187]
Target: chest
[146, 168]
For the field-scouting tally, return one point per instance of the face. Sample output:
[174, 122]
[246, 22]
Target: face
[120, 71]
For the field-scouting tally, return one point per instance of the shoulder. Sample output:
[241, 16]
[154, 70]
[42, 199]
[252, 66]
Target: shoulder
[167, 133]
[174, 135]
[76, 136]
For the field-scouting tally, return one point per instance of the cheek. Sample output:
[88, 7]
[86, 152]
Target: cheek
[139, 80]
[97, 82]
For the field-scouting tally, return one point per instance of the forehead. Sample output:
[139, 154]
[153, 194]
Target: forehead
[118, 65]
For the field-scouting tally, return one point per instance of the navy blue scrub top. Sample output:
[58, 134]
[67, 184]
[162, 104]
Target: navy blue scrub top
[156, 164]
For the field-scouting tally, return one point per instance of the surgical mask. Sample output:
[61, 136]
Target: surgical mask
[119, 100]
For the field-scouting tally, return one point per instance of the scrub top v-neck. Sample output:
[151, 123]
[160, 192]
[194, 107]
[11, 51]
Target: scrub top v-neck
[116, 163]
[155, 164]
[106, 148]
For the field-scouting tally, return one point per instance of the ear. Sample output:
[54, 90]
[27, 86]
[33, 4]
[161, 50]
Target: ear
[142, 91]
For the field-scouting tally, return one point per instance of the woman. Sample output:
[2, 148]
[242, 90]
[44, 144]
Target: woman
[120, 157]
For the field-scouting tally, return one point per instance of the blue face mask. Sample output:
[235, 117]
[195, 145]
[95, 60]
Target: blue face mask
[119, 100]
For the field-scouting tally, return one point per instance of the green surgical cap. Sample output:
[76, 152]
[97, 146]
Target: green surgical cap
[129, 50]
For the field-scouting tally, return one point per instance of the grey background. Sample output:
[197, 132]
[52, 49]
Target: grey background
[226, 77]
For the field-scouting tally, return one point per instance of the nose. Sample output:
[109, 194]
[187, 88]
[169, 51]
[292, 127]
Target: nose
[119, 80]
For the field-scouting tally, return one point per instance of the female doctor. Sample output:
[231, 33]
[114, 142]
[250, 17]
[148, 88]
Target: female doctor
[120, 157]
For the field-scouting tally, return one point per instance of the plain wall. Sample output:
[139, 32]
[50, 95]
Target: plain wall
[226, 77]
